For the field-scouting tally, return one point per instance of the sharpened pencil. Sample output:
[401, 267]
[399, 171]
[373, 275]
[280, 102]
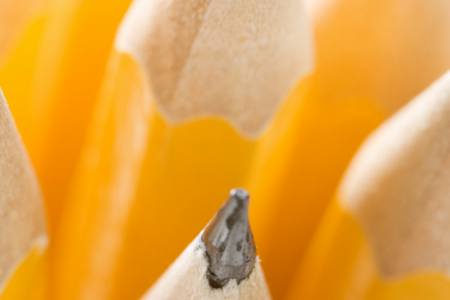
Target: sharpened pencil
[386, 234]
[220, 263]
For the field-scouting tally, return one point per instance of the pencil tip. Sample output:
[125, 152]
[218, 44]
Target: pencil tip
[229, 241]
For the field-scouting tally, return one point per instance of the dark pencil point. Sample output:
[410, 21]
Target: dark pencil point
[229, 241]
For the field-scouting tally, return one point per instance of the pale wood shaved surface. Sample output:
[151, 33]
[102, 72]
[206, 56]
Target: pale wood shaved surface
[234, 59]
[22, 221]
[186, 279]
[14, 15]
[398, 186]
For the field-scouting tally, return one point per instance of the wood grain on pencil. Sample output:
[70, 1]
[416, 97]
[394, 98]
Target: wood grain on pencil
[398, 186]
[186, 279]
[22, 221]
[246, 56]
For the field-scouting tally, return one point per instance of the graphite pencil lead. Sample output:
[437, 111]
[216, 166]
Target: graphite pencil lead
[229, 241]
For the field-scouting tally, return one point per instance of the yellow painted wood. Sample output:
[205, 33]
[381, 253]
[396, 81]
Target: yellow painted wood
[68, 76]
[16, 80]
[23, 233]
[30, 280]
[15, 19]
[340, 265]
[299, 164]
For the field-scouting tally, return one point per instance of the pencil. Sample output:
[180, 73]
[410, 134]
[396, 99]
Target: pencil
[22, 26]
[74, 48]
[385, 235]
[367, 57]
[14, 20]
[23, 234]
[190, 90]
[220, 263]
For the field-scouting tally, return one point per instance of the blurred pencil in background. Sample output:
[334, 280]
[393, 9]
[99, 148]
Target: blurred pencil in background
[372, 57]
[52, 79]
[51, 76]
[22, 27]
[385, 235]
[23, 234]
[16, 18]
[190, 88]
[70, 69]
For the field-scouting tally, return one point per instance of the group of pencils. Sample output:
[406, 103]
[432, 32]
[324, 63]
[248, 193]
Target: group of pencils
[223, 149]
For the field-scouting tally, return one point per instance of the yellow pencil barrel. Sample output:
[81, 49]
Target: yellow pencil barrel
[383, 237]
[23, 237]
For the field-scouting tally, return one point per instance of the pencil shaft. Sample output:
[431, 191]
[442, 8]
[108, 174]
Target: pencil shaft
[22, 220]
[386, 212]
